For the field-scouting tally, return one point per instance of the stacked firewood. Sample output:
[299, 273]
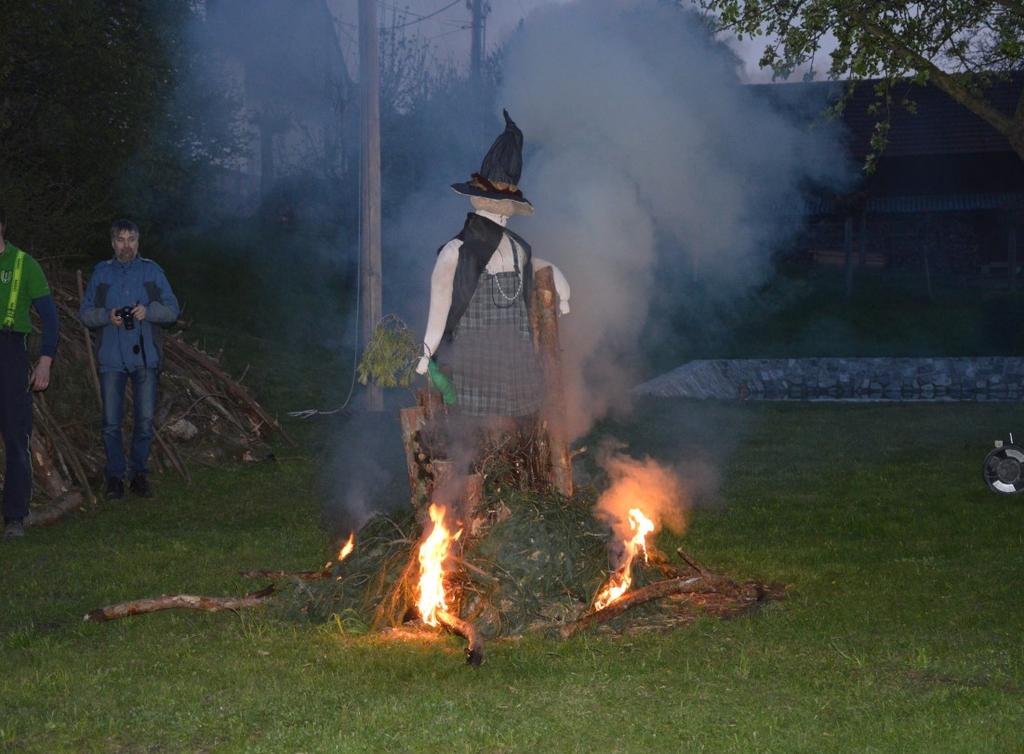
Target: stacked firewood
[204, 416]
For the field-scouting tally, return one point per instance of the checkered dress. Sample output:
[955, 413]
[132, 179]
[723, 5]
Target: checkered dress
[491, 358]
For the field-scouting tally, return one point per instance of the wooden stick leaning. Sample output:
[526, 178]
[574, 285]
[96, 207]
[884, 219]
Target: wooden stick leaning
[74, 460]
[173, 601]
[93, 373]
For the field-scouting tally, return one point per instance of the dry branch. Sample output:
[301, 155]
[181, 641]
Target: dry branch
[465, 629]
[654, 591]
[46, 515]
[93, 372]
[236, 390]
[303, 575]
[175, 601]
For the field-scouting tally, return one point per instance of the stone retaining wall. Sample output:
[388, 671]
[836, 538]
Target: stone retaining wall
[992, 378]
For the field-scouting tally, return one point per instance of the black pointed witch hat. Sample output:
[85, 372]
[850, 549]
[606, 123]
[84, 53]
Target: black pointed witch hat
[498, 178]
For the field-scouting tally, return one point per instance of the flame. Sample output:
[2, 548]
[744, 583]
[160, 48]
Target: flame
[348, 547]
[621, 580]
[433, 553]
[344, 552]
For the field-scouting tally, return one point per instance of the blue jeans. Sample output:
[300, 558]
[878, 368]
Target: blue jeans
[144, 394]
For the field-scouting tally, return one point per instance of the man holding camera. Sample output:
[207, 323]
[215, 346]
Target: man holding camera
[127, 298]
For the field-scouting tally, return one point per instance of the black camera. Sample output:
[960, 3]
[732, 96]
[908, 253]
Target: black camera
[125, 313]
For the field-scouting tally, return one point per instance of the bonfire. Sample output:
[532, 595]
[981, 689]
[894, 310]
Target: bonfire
[512, 547]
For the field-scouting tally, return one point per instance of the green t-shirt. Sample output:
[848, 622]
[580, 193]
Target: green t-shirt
[33, 285]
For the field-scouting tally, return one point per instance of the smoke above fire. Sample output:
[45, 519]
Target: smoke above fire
[649, 167]
[659, 491]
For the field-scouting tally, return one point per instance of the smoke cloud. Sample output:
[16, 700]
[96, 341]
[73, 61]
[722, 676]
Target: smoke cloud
[655, 489]
[648, 165]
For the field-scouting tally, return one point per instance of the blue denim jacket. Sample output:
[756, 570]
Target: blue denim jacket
[113, 285]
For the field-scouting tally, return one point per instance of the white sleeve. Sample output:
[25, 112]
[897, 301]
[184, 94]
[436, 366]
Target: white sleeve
[561, 284]
[442, 280]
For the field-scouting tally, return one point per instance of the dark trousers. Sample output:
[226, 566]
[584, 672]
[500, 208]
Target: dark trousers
[112, 385]
[15, 424]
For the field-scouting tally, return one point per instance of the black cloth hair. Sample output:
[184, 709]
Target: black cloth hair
[480, 238]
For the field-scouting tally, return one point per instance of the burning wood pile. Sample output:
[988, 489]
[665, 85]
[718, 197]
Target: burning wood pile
[501, 561]
[508, 548]
[204, 416]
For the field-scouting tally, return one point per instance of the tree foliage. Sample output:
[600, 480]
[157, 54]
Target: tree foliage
[959, 46]
[88, 94]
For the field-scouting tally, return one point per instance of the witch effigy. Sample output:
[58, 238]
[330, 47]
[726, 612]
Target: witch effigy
[478, 332]
[496, 541]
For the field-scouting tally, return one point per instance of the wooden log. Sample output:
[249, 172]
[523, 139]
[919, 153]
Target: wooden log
[46, 515]
[544, 317]
[465, 629]
[430, 401]
[413, 420]
[178, 601]
[45, 471]
[444, 480]
[654, 591]
[474, 495]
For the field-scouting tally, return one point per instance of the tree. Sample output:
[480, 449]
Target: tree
[85, 92]
[959, 46]
[296, 83]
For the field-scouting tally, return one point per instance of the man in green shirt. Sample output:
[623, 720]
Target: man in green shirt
[22, 284]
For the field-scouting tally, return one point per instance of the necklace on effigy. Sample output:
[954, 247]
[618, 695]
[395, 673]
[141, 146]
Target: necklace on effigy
[515, 265]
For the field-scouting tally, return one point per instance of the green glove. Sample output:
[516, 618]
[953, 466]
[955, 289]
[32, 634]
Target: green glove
[442, 383]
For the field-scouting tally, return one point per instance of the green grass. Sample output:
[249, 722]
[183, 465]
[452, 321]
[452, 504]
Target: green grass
[902, 631]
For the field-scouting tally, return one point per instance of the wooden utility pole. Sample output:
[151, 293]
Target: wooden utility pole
[477, 52]
[369, 172]
[479, 9]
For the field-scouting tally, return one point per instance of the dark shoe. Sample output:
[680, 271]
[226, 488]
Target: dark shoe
[140, 486]
[14, 529]
[115, 489]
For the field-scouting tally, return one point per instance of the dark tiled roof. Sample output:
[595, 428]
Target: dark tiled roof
[940, 125]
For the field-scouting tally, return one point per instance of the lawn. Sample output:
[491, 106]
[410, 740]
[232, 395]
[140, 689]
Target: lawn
[902, 630]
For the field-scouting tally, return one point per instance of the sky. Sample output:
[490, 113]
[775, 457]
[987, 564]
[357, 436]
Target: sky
[448, 30]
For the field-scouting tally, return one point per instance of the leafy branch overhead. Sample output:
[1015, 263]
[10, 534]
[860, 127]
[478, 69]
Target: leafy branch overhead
[390, 356]
[959, 46]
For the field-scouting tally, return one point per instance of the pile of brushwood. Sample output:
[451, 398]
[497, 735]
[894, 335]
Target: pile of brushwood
[528, 561]
[203, 415]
